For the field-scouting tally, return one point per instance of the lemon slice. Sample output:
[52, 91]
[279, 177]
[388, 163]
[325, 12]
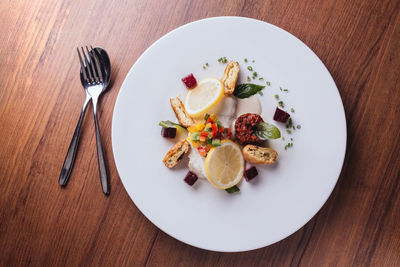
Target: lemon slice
[224, 165]
[204, 96]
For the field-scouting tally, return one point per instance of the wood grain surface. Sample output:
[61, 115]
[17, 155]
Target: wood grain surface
[42, 224]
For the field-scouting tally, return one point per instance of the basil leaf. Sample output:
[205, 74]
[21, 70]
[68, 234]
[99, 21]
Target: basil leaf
[232, 189]
[169, 124]
[266, 131]
[246, 90]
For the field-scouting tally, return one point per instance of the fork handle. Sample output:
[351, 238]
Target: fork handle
[103, 170]
[73, 147]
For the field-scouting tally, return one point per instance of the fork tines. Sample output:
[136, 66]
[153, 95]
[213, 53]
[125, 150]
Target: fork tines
[90, 65]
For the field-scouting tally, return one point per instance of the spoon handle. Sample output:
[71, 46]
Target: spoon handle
[73, 147]
[103, 170]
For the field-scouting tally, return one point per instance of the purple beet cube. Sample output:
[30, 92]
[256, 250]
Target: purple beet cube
[168, 132]
[250, 173]
[190, 178]
[281, 115]
[189, 81]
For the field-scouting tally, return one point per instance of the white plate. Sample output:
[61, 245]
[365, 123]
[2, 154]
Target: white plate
[284, 197]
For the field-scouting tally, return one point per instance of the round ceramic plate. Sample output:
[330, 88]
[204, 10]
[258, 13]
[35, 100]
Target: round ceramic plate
[284, 196]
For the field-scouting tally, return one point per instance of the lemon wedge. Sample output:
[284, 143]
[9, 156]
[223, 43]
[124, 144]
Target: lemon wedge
[224, 165]
[204, 96]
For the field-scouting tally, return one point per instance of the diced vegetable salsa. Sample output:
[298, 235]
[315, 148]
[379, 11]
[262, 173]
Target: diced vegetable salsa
[207, 134]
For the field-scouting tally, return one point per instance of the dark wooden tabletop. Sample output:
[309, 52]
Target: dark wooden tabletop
[42, 224]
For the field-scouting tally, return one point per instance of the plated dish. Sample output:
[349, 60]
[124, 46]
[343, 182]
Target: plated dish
[219, 125]
[284, 195]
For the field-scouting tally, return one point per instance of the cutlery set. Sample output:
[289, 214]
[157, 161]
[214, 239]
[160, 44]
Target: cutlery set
[95, 74]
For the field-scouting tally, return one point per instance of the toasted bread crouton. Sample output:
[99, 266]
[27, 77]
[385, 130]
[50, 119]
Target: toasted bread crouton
[176, 153]
[259, 155]
[180, 112]
[230, 76]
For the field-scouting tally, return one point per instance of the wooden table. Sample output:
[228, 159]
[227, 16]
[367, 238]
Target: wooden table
[40, 99]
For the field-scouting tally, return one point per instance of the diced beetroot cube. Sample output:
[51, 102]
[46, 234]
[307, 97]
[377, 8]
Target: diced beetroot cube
[190, 178]
[190, 81]
[250, 173]
[168, 132]
[281, 115]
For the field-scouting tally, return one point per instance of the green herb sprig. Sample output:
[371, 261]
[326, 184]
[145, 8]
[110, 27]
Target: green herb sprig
[246, 90]
[266, 131]
[222, 60]
[170, 124]
[232, 189]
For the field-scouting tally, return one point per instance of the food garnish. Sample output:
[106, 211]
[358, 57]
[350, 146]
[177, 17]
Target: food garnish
[206, 95]
[189, 81]
[168, 132]
[281, 115]
[250, 173]
[190, 178]
[170, 124]
[246, 90]
[266, 131]
[233, 189]
[289, 123]
[288, 145]
[222, 60]
[224, 165]
[208, 133]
